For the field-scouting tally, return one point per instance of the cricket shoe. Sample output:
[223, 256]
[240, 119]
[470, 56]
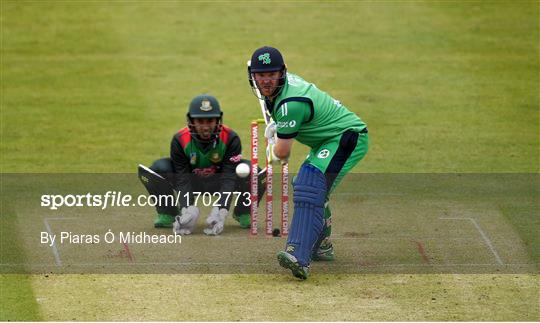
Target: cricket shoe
[243, 219]
[325, 252]
[163, 221]
[286, 260]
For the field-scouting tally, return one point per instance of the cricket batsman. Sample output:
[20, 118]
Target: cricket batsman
[203, 158]
[338, 139]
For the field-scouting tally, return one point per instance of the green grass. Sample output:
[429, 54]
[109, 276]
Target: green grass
[278, 298]
[18, 302]
[102, 86]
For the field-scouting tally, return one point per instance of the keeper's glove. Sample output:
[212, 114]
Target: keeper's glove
[216, 221]
[184, 223]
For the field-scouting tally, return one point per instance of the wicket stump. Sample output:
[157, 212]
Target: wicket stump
[254, 211]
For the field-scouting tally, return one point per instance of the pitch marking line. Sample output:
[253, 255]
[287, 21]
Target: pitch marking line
[56, 254]
[484, 236]
[55, 251]
[421, 250]
[366, 194]
[128, 252]
[335, 236]
[358, 264]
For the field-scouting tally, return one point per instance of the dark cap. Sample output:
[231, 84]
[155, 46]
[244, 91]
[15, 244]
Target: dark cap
[204, 106]
[267, 59]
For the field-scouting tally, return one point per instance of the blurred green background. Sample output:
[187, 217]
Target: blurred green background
[103, 86]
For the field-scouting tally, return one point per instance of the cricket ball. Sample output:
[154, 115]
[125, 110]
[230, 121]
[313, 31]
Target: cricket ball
[242, 170]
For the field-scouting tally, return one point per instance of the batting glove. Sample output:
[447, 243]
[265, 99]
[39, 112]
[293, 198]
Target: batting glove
[271, 156]
[270, 133]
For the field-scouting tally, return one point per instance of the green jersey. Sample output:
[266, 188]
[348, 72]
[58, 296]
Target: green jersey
[195, 163]
[304, 112]
[189, 156]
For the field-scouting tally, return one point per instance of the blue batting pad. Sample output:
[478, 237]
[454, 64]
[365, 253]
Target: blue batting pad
[308, 220]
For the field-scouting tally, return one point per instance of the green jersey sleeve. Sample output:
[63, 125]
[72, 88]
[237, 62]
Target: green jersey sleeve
[289, 116]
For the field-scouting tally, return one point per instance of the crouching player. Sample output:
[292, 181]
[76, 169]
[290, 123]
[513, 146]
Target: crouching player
[338, 140]
[203, 159]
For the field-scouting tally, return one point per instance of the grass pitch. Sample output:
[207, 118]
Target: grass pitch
[444, 87]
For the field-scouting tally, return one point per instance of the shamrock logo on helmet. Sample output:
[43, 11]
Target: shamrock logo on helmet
[265, 58]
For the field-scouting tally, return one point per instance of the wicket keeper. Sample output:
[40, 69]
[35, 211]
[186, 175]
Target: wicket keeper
[203, 158]
[338, 139]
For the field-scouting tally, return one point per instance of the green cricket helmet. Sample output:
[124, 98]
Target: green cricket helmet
[267, 59]
[204, 106]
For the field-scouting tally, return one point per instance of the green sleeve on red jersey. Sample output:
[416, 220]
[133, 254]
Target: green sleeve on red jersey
[290, 115]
